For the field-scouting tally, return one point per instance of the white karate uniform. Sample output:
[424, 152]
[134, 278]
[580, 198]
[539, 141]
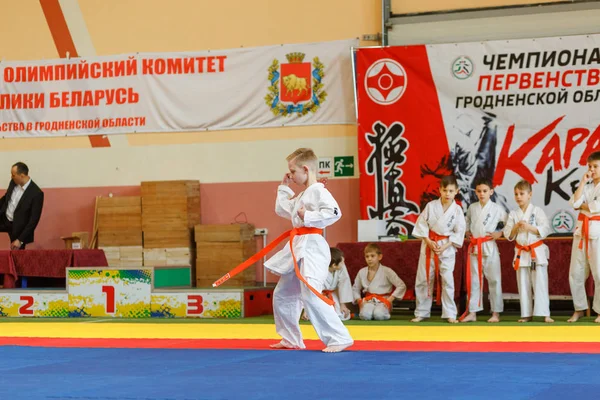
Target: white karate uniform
[580, 264]
[481, 221]
[313, 255]
[452, 224]
[528, 278]
[383, 282]
[338, 282]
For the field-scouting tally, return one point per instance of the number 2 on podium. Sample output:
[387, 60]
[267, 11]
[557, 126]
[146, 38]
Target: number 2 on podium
[25, 309]
[110, 299]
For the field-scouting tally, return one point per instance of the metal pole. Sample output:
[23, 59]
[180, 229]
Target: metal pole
[352, 58]
[386, 12]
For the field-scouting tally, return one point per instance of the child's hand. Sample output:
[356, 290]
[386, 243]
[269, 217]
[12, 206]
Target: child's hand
[287, 179]
[468, 235]
[586, 177]
[304, 316]
[345, 310]
[584, 207]
[431, 244]
[442, 248]
[301, 212]
[323, 181]
[496, 235]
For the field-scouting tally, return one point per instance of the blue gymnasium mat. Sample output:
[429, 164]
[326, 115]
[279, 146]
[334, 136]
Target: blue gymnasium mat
[37, 373]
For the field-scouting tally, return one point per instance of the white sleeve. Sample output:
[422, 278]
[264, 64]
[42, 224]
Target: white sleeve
[579, 202]
[357, 288]
[344, 289]
[542, 223]
[421, 229]
[510, 224]
[327, 212]
[398, 283]
[457, 237]
[284, 203]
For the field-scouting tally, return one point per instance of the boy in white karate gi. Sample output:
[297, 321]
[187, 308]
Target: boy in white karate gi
[483, 219]
[528, 226]
[304, 271]
[585, 255]
[441, 226]
[337, 285]
[373, 287]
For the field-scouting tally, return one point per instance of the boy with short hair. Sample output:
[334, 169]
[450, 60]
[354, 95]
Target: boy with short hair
[528, 226]
[585, 255]
[373, 286]
[303, 263]
[483, 219]
[441, 226]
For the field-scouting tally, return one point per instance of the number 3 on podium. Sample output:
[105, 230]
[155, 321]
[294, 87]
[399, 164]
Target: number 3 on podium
[110, 299]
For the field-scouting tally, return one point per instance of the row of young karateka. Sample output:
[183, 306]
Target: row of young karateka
[443, 228]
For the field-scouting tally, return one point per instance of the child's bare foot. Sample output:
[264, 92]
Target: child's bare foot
[576, 316]
[527, 319]
[418, 319]
[597, 320]
[280, 345]
[495, 318]
[471, 317]
[548, 320]
[452, 321]
[337, 348]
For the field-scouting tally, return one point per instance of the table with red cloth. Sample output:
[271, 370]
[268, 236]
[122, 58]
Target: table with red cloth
[46, 263]
[403, 258]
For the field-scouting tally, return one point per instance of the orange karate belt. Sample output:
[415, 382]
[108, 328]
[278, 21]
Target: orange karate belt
[436, 260]
[478, 242]
[531, 248]
[291, 234]
[381, 297]
[585, 230]
[329, 295]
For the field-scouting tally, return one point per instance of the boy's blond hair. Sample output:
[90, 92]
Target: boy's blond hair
[304, 157]
[523, 185]
[373, 248]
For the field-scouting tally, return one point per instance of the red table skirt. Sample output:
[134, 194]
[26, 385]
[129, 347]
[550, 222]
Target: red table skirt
[403, 258]
[46, 263]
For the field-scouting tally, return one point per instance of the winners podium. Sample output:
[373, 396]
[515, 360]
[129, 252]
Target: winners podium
[129, 293]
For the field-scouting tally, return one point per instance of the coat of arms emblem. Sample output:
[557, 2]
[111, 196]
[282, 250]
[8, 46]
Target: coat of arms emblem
[296, 86]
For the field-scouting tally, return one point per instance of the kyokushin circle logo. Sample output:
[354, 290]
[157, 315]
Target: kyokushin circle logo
[385, 81]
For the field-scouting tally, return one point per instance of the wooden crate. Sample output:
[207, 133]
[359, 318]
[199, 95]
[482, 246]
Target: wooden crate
[187, 188]
[119, 238]
[167, 257]
[224, 233]
[170, 209]
[123, 256]
[215, 259]
[167, 239]
[119, 221]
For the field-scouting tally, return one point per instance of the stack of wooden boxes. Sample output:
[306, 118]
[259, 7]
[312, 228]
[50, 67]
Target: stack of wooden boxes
[119, 225]
[170, 210]
[220, 248]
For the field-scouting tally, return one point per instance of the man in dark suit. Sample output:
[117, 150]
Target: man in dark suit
[20, 207]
